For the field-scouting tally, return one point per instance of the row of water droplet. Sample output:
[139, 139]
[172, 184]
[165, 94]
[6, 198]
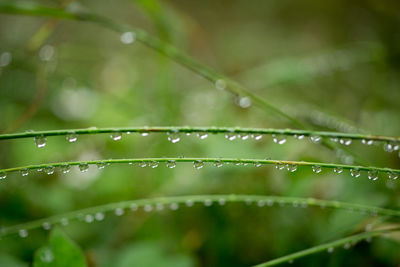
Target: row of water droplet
[355, 172]
[199, 164]
[119, 211]
[174, 136]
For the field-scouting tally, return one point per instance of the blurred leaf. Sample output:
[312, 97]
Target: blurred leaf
[59, 251]
[150, 254]
[9, 261]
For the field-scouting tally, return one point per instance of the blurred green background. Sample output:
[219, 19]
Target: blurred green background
[332, 64]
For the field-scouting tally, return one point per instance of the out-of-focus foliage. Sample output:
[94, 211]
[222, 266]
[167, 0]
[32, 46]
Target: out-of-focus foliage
[334, 64]
[59, 251]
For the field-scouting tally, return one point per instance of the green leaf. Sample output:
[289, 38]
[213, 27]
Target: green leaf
[60, 251]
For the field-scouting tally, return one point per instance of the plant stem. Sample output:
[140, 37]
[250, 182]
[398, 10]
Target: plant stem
[351, 240]
[260, 201]
[210, 130]
[205, 160]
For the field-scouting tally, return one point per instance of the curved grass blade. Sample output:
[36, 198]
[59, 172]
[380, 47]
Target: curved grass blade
[210, 130]
[235, 161]
[347, 241]
[175, 201]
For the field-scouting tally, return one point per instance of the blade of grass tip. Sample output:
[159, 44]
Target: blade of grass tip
[351, 240]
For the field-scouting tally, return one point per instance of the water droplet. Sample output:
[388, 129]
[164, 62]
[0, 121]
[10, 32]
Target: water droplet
[134, 207]
[23, 233]
[202, 135]
[40, 141]
[189, 203]
[174, 206]
[338, 170]
[5, 59]
[270, 202]
[257, 164]
[392, 175]
[142, 164]
[24, 172]
[174, 137]
[198, 164]
[128, 37]
[230, 136]
[119, 211]
[279, 166]
[279, 139]
[331, 249]
[101, 165]
[261, 203]
[218, 164]
[46, 255]
[144, 133]
[89, 218]
[3, 175]
[257, 136]
[46, 53]
[367, 142]
[355, 172]
[65, 168]
[347, 246]
[71, 137]
[221, 201]
[220, 84]
[148, 208]
[64, 221]
[83, 167]
[159, 206]
[153, 164]
[388, 147]
[299, 136]
[316, 169]
[171, 164]
[46, 226]
[316, 139]
[49, 170]
[208, 202]
[116, 136]
[345, 141]
[244, 102]
[291, 167]
[99, 216]
[334, 139]
[244, 136]
[373, 175]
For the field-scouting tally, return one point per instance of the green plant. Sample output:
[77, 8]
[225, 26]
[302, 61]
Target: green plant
[335, 141]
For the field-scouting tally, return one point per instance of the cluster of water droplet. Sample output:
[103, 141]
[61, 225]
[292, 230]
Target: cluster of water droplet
[355, 172]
